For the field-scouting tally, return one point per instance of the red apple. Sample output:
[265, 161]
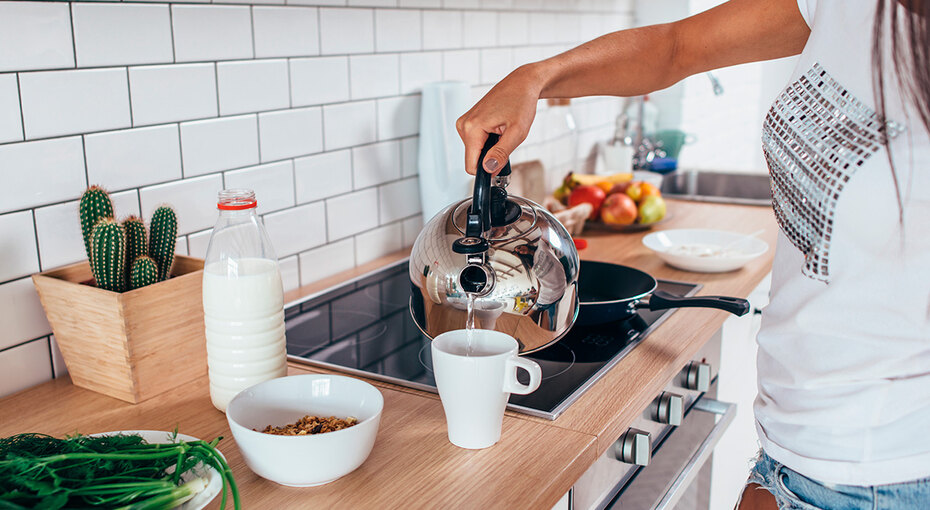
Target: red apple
[589, 194]
[619, 209]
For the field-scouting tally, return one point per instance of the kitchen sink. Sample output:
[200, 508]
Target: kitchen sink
[731, 188]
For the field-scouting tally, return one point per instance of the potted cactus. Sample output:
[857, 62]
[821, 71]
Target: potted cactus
[126, 316]
[119, 256]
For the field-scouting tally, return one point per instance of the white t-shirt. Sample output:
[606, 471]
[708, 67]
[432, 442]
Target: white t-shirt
[844, 350]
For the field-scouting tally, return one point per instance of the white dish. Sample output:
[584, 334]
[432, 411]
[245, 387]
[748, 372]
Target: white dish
[705, 250]
[214, 479]
[302, 461]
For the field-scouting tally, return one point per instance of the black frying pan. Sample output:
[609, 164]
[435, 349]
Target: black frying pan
[611, 292]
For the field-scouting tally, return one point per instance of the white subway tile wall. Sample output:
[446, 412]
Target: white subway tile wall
[219, 144]
[35, 35]
[252, 86]
[274, 183]
[11, 119]
[319, 80]
[56, 103]
[172, 93]
[285, 31]
[133, 157]
[289, 133]
[18, 247]
[113, 34]
[315, 104]
[375, 164]
[324, 175]
[373, 76]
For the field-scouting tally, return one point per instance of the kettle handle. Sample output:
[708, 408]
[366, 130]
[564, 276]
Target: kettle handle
[479, 216]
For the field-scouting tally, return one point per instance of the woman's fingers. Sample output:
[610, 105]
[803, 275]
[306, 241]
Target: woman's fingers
[499, 154]
[474, 139]
[474, 135]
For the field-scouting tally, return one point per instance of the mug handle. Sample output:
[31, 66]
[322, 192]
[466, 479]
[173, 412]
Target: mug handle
[512, 385]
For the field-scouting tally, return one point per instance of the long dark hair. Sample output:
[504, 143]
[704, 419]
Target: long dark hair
[910, 55]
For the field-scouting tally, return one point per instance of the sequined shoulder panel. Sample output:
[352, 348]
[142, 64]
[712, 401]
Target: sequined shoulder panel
[815, 138]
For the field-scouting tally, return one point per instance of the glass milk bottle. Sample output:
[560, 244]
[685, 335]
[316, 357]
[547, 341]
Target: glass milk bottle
[243, 301]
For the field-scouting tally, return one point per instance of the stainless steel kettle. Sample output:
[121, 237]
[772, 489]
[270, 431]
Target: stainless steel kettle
[511, 255]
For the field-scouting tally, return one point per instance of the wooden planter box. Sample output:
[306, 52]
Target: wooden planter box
[131, 345]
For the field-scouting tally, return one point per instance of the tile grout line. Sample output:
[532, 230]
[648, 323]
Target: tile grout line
[132, 122]
[24, 342]
[35, 230]
[216, 81]
[180, 151]
[174, 55]
[258, 133]
[73, 35]
[252, 27]
[319, 31]
[51, 356]
[22, 114]
[84, 157]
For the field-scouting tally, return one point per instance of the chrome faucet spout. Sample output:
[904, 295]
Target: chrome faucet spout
[715, 83]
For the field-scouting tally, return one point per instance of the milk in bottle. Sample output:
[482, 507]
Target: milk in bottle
[243, 301]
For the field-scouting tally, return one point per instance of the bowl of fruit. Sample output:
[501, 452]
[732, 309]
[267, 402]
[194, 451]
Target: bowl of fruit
[618, 202]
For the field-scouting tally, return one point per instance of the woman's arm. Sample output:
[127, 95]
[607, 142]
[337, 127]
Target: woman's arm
[632, 62]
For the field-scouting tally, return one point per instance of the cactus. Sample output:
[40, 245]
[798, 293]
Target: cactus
[95, 205]
[119, 256]
[144, 272]
[136, 245]
[109, 255]
[163, 234]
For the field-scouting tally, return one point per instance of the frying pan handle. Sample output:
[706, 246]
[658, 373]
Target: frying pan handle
[661, 300]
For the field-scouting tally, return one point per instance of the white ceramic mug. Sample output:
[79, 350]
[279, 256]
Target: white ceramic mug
[474, 384]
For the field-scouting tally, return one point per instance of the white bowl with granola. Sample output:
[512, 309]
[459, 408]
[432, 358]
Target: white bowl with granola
[306, 430]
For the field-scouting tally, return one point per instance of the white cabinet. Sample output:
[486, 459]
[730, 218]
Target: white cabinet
[737, 383]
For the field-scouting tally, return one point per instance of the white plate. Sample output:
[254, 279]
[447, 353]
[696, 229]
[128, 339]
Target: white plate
[741, 249]
[214, 479]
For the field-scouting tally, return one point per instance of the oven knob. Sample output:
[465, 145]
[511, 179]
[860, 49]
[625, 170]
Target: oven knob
[697, 376]
[634, 447]
[669, 409]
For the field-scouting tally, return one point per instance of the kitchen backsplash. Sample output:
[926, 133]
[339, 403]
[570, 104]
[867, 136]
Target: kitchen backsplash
[313, 104]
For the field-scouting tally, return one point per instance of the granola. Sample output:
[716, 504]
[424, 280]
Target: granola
[309, 425]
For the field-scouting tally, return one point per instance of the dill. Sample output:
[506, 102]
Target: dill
[117, 471]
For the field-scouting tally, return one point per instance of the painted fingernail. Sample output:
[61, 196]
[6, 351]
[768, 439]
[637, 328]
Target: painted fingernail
[491, 165]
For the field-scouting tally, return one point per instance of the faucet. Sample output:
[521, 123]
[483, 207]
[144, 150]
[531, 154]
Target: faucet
[715, 83]
[644, 149]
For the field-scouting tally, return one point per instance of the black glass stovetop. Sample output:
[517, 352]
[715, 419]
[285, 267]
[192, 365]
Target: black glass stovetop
[363, 327]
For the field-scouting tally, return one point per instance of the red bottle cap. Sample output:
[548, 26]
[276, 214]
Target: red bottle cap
[236, 200]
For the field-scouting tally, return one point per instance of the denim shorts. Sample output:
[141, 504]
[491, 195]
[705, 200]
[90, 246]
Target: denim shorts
[794, 491]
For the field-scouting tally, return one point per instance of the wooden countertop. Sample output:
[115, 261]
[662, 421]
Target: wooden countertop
[413, 463]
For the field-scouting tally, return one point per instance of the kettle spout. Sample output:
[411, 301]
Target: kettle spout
[476, 277]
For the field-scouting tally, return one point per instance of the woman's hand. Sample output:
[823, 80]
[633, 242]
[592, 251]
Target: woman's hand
[508, 109]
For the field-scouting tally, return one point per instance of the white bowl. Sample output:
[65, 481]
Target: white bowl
[302, 461]
[739, 249]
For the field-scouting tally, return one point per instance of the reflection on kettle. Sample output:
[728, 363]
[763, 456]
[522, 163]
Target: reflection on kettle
[510, 253]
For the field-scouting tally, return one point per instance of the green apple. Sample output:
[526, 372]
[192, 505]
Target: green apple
[652, 209]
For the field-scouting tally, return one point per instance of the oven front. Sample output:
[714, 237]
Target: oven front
[662, 465]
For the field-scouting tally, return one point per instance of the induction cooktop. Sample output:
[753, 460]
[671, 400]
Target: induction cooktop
[363, 327]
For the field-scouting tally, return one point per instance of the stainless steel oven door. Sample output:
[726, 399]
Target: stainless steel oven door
[678, 475]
